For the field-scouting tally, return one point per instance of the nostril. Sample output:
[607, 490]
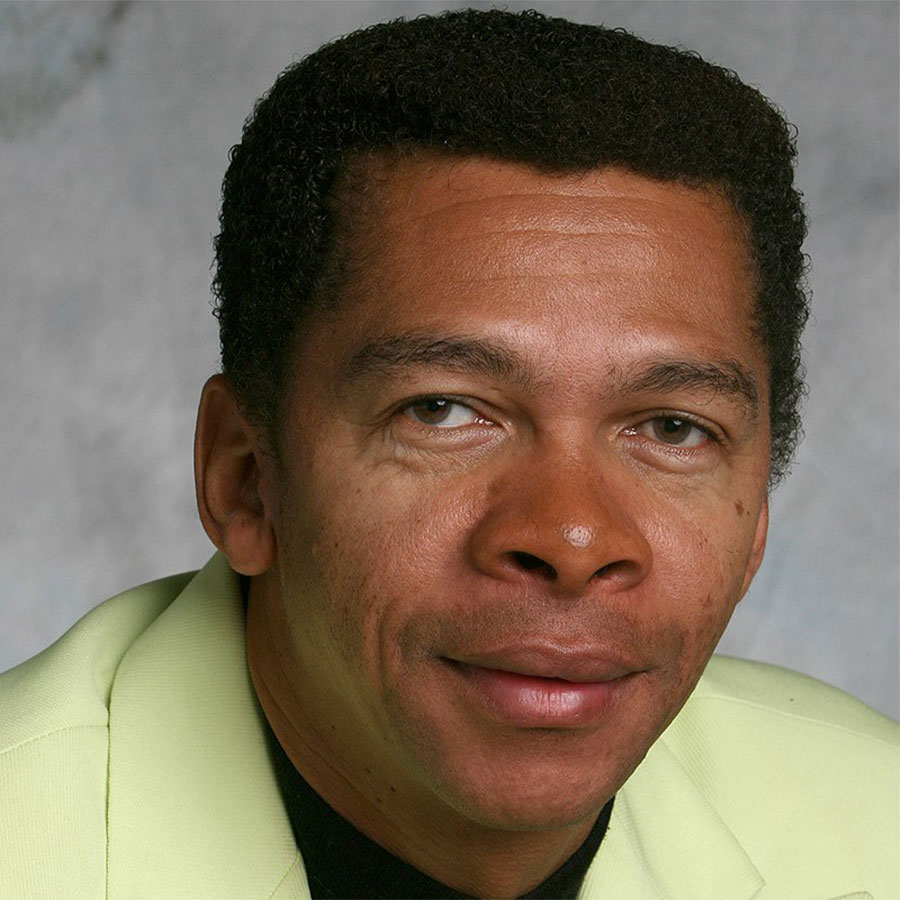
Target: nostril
[531, 563]
[615, 571]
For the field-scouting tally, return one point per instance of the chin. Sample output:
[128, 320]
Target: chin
[538, 810]
[551, 792]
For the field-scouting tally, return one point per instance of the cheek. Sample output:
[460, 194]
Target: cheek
[371, 555]
[698, 572]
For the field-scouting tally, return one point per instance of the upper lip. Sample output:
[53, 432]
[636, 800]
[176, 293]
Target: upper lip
[579, 664]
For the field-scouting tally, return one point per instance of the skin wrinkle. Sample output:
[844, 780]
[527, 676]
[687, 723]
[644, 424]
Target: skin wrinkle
[530, 207]
[375, 178]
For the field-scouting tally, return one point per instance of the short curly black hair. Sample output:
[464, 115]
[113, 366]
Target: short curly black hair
[520, 87]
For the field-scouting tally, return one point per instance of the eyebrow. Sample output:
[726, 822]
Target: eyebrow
[457, 354]
[726, 377]
[476, 356]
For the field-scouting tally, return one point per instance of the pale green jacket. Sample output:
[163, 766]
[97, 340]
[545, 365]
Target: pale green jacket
[133, 764]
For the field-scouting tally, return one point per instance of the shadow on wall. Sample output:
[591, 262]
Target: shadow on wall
[48, 51]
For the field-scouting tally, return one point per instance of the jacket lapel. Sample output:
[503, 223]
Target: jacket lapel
[665, 840]
[194, 808]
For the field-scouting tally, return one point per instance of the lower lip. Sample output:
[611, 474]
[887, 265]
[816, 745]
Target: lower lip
[532, 702]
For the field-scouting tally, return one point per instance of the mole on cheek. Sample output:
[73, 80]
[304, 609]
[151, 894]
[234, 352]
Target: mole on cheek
[739, 507]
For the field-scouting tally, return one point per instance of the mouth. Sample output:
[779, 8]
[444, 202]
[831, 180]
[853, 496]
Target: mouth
[544, 689]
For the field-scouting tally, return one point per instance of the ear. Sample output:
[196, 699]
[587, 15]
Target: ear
[759, 546]
[228, 464]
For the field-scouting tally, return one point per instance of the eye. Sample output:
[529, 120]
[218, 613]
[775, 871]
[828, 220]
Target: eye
[676, 431]
[441, 412]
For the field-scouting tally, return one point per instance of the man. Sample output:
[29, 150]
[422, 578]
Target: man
[510, 314]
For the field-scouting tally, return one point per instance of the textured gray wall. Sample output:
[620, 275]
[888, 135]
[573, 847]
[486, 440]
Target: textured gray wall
[115, 121]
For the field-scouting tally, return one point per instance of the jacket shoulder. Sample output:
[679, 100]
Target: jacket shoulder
[789, 696]
[54, 749]
[68, 684]
[805, 775]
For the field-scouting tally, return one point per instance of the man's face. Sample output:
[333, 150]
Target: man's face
[522, 483]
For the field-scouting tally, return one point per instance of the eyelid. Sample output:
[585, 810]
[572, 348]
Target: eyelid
[466, 402]
[407, 402]
[714, 434]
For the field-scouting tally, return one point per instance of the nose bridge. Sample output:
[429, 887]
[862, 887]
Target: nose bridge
[557, 517]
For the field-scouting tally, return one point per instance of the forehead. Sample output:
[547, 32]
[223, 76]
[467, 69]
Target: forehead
[433, 236]
[391, 194]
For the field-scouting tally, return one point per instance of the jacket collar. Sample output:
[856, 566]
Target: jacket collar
[194, 809]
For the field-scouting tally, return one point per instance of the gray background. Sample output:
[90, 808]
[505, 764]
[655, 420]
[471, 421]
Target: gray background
[115, 121]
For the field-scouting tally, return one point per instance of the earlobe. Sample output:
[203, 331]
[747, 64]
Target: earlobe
[759, 546]
[227, 473]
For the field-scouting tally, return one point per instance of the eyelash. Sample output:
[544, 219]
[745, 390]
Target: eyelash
[412, 402]
[706, 430]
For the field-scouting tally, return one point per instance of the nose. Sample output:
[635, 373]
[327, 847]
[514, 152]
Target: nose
[559, 522]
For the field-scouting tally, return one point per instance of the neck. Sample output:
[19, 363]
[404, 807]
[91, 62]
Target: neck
[399, 814]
